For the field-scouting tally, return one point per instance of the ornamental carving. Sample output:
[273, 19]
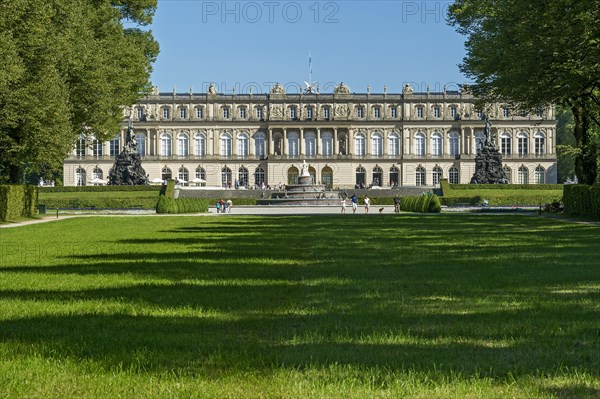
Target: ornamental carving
[277, 89]
[212, 89]
[408, 89]
[342, 110]
[342, 89]
[277, 111]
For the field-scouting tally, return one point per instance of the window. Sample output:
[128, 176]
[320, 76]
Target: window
[394, 176]
[359, 145]
[326, 112]
[183, 177]
[293, 113]
[523, 113]
[80, 147]
[310, 142]
[454, 112]
[505, 112]
[437, 145]
[420, 176]
[201, 175]
[479, 114]
[437, 175]
[243, 177]
[225, 112]
[242, 112]
[293, 175]
[166, 173]
[420, 144]
[506, 144]
[327, 144]
[309, 112]
[183, 145]
[454, 141]
[242, 145]
[80, 176]
[165, 145]
[523, 175]
[361, 175]
[508, 173]
[377, 177]
[140, 113]
[522, 141]
[540, 175]
[394, 112]
[420, 111]
[115, 146]
[200, 145]
[360, 112]
[166, 113]
[97, 148]
[377, 112]
[377, 144]
[454, 175]
[259, 112]
[225, 145]
[437, 112]
[259, 176]
[97, 173]
[259, 145]
[140, 140]
[479, 139]
[394, 145]
[540, 143]
[199, 112]
[539, 112]
[293, 142]
[183, 112]
[226, 177]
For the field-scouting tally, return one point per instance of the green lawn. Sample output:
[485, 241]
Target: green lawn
[377, 306]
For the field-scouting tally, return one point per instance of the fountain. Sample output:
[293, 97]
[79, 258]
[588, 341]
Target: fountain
[304, 193]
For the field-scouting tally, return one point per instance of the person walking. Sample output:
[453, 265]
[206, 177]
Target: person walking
[229, 205]
[397, 204]
[354, 203]
[367, 204]
[343, 205]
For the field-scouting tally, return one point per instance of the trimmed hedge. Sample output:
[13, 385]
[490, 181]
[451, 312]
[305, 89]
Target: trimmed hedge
[100, 203]
[169, 189]
[17, 201]
[505, 186]
[421, 204]
[582, 200]
[171, 205]
[84, 189]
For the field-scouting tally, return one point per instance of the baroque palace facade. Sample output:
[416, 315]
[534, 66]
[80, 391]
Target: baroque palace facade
[386, 140]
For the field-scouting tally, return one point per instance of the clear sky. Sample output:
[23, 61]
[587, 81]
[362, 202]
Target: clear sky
[258, 43]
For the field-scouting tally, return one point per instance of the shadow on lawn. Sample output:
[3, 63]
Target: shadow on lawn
[396, 293]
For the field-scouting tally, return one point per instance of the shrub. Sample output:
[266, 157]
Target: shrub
[171, 205]
[17, 201]
[86, 189]
[421, 204]
[582, 200]
[169, 189]
[434, 204]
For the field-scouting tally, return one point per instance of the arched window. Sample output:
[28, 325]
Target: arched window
[225, 145]
[508, 173]
[377, 178]
[359, 145]
[327, 177]
[293, 142]
[437, 145]
[454, 141]
[97, 173]
[313, 174]
[165, 145]
[201, 176]
[243, 177]
[394, 176]
[140, 140]
[361, 176]
[377, 144]
[242, 146]
[523, 175]
[420, 176]
[479, 140]
[454, 175]
[523, 145]
[200, 145]
[183, 177]
[293, 175]
[259, 145]
[259, 177]
[327, 144]
[437, 175]
[310, 144]
[540, 175]
[166, 173]
[183, 145]
[540, 143]
[394, 145]
[80, 176]
[226, 177]
[506, 143]
[420, 144]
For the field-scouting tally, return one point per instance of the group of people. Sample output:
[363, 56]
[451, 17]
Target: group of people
[354, 202]
[224, 206]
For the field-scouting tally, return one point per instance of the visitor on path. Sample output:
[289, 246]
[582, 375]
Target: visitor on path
[343, 205]
[229, 205]
[397, 204]
[222, 203]
[218, 206]
[367, 204]
[354, 203]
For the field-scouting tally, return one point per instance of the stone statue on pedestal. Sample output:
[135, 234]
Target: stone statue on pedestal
[127, 169]
[488, 161]
[304, 169]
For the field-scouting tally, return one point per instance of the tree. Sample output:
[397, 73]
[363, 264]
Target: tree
[69, 67]
[534, 53]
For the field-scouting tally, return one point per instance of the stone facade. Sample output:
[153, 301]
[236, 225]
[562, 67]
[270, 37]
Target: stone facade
[403, 139]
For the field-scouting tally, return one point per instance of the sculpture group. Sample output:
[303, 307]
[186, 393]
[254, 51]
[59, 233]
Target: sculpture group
[488, 161]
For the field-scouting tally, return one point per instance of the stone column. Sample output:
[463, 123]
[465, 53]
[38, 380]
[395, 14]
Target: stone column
[336, 145]
[270, 144]
[350, 145]
[284, 143]
[318, 146]
[301, 144]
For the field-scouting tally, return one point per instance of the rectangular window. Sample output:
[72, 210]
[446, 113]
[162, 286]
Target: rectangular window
[505, 112]
[165, 113]
[225, 112]
[114, 147]
[437, 112]
[326, 112]
[377, 112]
[293, 114]
[309, 113]
[243, 113]
[140, 113]
[183, 113]
[259, 112]
[453, 112]
[199, 113]
[420, 112]
[360, 112]
[394, 112]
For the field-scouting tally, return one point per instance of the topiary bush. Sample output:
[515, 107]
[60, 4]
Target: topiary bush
[170, 205]
[17, 201]
[421, 204]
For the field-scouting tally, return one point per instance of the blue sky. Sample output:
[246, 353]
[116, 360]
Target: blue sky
[257, 43]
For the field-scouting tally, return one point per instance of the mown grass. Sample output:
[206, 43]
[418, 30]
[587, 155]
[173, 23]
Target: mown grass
[311, 306]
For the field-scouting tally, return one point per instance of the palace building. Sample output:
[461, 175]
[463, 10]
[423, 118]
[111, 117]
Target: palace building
[384, 139]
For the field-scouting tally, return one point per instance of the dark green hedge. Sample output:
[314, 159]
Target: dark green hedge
[181, 205]
[169, 189]
[421, 204]
[101, 203]
[582, 200]
[17, 201]
[453, 201]
[505, 186]
[78, 189]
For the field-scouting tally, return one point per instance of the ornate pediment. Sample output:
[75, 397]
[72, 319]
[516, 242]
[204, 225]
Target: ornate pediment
[341, 89]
